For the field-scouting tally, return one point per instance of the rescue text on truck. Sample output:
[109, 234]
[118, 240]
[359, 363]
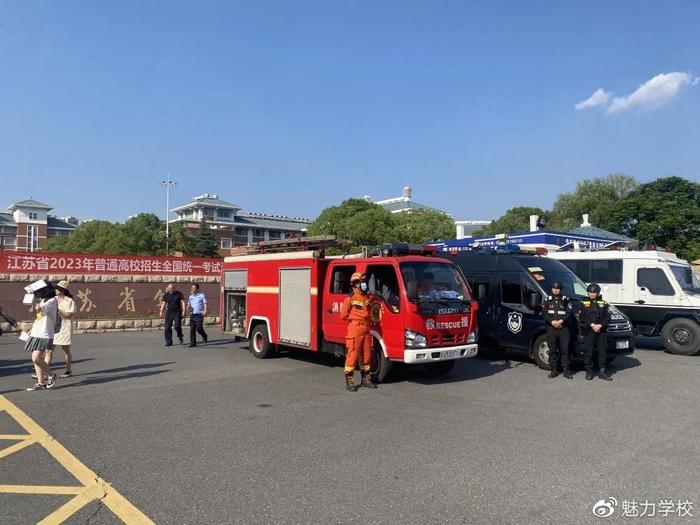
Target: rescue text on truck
[422, 310]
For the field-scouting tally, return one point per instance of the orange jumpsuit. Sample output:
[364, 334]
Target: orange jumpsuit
[358, 340]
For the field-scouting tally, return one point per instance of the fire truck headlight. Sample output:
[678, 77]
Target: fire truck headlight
[471, 338]
[414, 340]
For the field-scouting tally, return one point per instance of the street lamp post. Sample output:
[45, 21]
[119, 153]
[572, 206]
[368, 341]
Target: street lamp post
[168, 184]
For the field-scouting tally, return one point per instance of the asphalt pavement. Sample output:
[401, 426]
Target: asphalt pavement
[213, 435]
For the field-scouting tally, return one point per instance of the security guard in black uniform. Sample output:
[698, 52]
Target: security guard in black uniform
[557, 315]
[593, 318]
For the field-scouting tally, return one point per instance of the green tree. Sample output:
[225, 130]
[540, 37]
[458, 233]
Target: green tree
[90, 237]
[181, 240]
[204, 242]
[143, 234]
[516, 219]
[419, 226]
[362, 222]
[597, 197]
[665, 212]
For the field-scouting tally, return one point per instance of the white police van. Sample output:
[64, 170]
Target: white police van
[658, 291]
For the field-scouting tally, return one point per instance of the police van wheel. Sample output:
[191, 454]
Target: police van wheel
[381, 370]
[681, 337]
[260, 345]
[540, 351]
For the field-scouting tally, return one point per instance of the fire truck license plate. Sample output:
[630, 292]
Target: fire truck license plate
[450, 353]
[622, 344]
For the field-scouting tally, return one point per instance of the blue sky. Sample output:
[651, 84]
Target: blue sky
[291, 106]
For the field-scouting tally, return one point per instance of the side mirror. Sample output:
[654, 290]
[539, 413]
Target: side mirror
[535, 300]
[412, 290]
[481, 293]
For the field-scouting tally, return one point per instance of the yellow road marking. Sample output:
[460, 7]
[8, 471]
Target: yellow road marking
[39, 489]
[15, 436]
[71, 507]
[16, 447]
[93, 488]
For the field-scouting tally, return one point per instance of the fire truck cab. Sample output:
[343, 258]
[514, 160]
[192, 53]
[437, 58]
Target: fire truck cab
[421, 310]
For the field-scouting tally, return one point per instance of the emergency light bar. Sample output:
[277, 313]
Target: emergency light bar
[501, 249]
[507, 248]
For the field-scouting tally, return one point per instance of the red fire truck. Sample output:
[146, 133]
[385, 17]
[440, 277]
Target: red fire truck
[422, 312]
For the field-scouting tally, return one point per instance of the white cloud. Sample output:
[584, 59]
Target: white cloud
[598, 98]
[654, 93]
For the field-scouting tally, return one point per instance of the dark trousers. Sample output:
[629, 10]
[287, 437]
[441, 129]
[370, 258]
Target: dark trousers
[592, 341]
[558, 342]
[197, 327]
[170, 318]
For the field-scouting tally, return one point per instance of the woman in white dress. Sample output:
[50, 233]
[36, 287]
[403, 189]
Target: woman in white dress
[62, 338]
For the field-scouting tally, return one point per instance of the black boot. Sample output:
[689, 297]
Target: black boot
[567, 374]
[349, 383]
[554, 373]
[589, 375]
[367, 381]
[602, 375]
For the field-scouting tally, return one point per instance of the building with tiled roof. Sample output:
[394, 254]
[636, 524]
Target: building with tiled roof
[27, 226]
[233, 227]
[405, 203]
[593, 231]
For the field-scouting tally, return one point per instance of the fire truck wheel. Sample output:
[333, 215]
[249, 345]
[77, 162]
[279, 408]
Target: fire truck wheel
[260, 345]
[540, 351]
[440, 368]
[681, 336]
[381, 366]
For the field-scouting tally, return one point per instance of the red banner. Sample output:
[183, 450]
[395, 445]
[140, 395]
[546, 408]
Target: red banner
[75, 263]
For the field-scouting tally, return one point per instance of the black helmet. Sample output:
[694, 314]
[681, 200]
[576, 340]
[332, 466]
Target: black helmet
[593, 287]
[557, 285]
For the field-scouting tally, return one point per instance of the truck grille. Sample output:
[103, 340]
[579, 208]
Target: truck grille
[447, 339]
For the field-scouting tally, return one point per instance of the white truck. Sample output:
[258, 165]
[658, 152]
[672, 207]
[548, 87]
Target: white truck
[658, 291]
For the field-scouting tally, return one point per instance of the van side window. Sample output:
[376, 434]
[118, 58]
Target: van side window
[606, 271]
[510, 289]
[340, 283]
[654, 280]
[475, 281]
[582, 269]
[528, 290]
[382, 281]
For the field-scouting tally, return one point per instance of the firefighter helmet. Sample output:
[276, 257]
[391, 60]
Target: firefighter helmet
[356, 277]
[593, 288]
[556, 285]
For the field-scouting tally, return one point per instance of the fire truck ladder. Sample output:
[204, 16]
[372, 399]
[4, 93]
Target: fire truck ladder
[318, 242]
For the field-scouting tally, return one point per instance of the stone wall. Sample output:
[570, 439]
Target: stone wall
[109, 302]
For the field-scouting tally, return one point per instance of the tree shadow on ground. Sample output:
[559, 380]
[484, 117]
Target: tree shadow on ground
[12, 367]
[109, 379]
[98, 376]
[216, 342]
[129, 368]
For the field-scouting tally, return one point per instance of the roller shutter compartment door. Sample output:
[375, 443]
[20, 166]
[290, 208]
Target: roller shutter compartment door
[235, 280]
[295, 306]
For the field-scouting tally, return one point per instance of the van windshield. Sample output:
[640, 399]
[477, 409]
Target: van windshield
[433, 282]
[547, 271]
[686, 278]
[572, 286]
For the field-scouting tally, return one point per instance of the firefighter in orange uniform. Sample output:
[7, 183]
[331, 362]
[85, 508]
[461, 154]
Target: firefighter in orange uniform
[358, 341]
